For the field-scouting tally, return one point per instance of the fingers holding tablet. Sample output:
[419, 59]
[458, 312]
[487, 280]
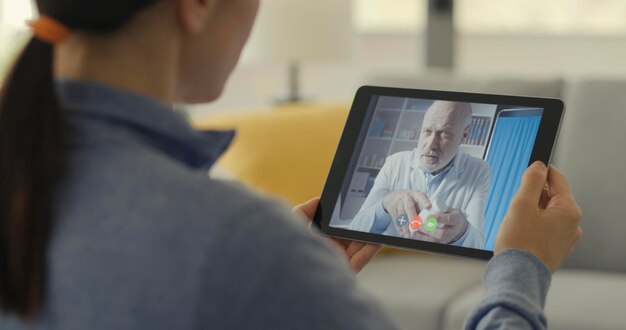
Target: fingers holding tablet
[549, 233]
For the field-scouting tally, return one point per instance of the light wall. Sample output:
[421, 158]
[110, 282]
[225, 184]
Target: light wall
[254, 86]
[565, 56]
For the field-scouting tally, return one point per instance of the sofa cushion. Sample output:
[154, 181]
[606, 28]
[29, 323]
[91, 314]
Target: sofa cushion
[577, 300]
[285, 152]
[591, 151]
[415, 288]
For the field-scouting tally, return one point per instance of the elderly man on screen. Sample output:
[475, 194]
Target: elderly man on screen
[434, 193]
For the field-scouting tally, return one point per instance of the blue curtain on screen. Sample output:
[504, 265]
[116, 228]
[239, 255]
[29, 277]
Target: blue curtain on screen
[508, 156]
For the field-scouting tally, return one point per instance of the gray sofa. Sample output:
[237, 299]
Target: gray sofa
[589, 292]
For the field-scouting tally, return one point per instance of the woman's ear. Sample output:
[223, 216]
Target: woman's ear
[193, 14]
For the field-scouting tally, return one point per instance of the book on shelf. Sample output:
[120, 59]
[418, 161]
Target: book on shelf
[362, 183]
[473, 127]
[479, 130]
[387, 133]
[359, 182]
[407, 134]
[378, 127]
[484, 127]
[373, 161]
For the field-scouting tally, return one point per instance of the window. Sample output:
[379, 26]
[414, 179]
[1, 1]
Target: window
[540, 17]
[502, 17]
[13, 29]
[389, 16]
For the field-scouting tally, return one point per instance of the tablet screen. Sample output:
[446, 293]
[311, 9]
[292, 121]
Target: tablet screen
[435, 170]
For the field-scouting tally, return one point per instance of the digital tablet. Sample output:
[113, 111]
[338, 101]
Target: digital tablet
[433, 170]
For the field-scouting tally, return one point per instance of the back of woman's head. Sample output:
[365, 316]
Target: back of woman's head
[32, 150]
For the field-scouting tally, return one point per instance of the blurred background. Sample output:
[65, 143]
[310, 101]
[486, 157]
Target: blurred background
[556, 38]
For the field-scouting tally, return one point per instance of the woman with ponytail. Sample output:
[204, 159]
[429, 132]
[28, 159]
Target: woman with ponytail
[109, 221]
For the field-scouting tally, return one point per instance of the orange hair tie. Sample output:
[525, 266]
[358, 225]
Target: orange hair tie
[49, 30]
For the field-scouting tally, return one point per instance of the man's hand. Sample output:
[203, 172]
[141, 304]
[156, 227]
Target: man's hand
[454, 226]
[404, 202]
[358, 254]
[543, 221]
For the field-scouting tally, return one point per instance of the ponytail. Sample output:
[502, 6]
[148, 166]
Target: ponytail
[32, 146]
[31, 157]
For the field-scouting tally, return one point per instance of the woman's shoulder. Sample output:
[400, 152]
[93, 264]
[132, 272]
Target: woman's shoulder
[153, 190]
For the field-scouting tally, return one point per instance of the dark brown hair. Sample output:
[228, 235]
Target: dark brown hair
[32, 151]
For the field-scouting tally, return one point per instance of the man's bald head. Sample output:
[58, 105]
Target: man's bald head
[445, 125]
[459, 113]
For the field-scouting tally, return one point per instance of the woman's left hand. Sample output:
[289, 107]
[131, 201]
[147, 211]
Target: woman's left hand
[358, 254]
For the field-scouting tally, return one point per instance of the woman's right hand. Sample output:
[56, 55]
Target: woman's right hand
[543, 221]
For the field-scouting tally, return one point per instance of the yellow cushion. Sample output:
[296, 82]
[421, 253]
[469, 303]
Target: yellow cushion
[286, 152]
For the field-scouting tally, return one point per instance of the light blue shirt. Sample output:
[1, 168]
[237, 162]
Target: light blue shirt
[144, 239]
[464, 186]
[382, 219]
[433, 181]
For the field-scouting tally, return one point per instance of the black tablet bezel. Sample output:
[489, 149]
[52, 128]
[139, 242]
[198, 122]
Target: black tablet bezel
[542, 150]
